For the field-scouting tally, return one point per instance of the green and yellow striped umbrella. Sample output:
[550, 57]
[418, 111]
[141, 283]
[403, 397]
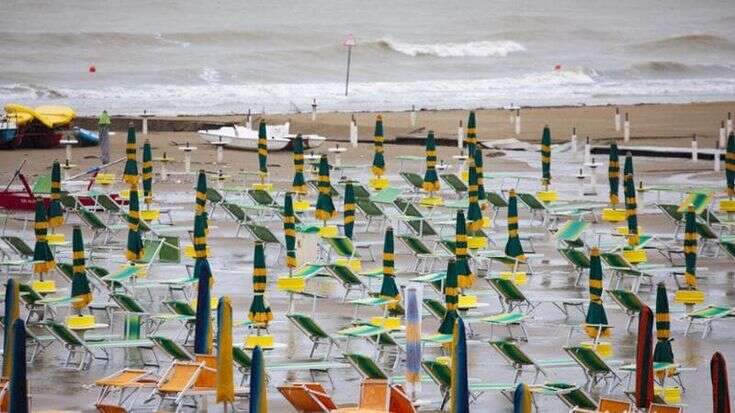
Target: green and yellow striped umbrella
[690, 248]
[451, 298]
[613, 174]
[388, 288]
[663, 352]
[225, 375]
[260, 311]
[200, 238]
[12, 313]
[477, 157]
[474, 213]
[471, 138]
[147, 173]
[324, 206]
[630, 211]
[262, 151]
[596, 315]
[55, 214]
[628, 165]
[44, 259]
[299, 184]
[349, 210]
[135, 243]
[464, 273]
[80, 290]
[200, 200]
[289, 231]
[130, 173]
[431, 180]
[203, 334]
[378, 157]
[513, 246]
[546, 157]
[730, 164]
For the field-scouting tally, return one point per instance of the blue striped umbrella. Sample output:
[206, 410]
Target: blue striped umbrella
[18, 386]
[413, 338]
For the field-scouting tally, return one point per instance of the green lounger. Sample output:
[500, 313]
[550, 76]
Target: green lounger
[707, 315]
[571, 232]
[414, 180]
[571, 395]
[596, 370]
[442, 376]
[578, 259]
[454, 182]
[629, 302]
[316, 334]
[511, 298]
[243, 362]
[519, 360]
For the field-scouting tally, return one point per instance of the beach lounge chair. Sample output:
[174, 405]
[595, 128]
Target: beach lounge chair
[572, 396]
[614, 406]
[307, 397]
[519, 360]
[700, 200]
[345, 276]
[35, 343]
[188, 314]
[374, 396]
[596, 370]
[442, 376]
[41, 306]
[237, 214]
[570, 233]
[371, 211]
[578, 259]
[22, 253]
[98, 227]
[676, 217]
[622, 268]
[507, 320]
[663, 408]
[367, 368]
[125, 383]
[266, 236]
[346, 248]
[549, 213]
[176, 382]
[705, 316]
[455, 183]
[511, 298]
[414, 180]
[497, 202]
[425, 256]
[313, 331]
[629, 302]
[172, 349]
[262, 198]
[243, 362]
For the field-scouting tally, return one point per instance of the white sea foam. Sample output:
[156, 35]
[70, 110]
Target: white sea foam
[209, 75]
[484, 48]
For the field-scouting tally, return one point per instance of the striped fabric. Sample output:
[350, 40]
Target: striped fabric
[147, 173]
[378, 168]
[690, 248]
[477, 157]
[431, 179]
[200, 200]
[260, 311]
[55, 214]
[464, 273]
[471, 138]
[12, 313]
[474, 213]
[546, 157]
[413, 338]
[513, 246]
[324, 206]
[663, 352]
[44, 259]
[388, 288]
[258, 396]
[262, 150]
[135, 243]
[289, 231]
[459, 393]
[203, 324]
[596, 311]
[630, 211]
[451, 298]
[613, 174]
[299, 184]
[79, 283]
[349, 210]
[130, 173]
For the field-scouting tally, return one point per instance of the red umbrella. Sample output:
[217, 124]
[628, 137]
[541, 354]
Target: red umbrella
[720, 392]
[644, 360]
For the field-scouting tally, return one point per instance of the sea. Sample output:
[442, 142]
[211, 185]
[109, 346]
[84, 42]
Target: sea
[277, 56]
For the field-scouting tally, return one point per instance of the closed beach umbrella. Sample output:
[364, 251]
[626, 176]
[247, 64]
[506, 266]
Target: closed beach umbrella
[200, 201]
[513, 246]
[388, 288]
[474, 213]
[730, 164]
[260, 311]
[451, 298]
[628, 166]
[464, 273]
[80, 290]
[644, 360]
[690, 248]
[289, 231]
[55, 214]
[720, 389]
[130, 173]
[147, 173]
[349, 210]
[522, 402]
[135, 243]
[431, 180]
[12, 313]
[596, 315]
[44, 259]
[225, 377]
[378, 157]
[471, 137]
[262, 151]
[18, 385]
[202, 326]
[459, 391]
[200, 244]
[413, 338]
[663, 352]
[480, 173]
[299, 184]
[258, 384]
[324, 206]
[546, 157]
[613, 174]
[630, 211]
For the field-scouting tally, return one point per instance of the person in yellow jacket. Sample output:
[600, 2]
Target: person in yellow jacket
[104, 134]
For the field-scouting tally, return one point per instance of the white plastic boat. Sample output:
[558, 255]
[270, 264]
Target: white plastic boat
[241, 137]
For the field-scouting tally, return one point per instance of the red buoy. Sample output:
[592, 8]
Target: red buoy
[92, 68]
[557, 67]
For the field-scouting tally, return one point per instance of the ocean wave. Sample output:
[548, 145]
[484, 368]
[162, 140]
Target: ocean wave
[688, 43]
[209, 75]
[483, 48]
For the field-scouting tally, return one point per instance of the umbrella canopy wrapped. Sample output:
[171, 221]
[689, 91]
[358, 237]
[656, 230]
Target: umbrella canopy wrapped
[690, 249]
[130, 173]
[44, 259]
[720, 389]
[225, 376]
[628, 166]
[12, 313]
[730, 164]
[147, 173]
[258, 383]
[80, 290]
[55, 214]
[431, 179]
[644, 360]
[464, 273]
[324, 206]
[262, 151]
[522, 402]
[299, 184]
[477, 157]
[451, 298]
[349, 210]
[596, 316]
[389, 289]
[631, 215]
[471, 137]
[513, 246]
[260, 311]
[289, 231]
[135, 243]
[613, 174]
[203, 326]
[546, 157]
[378, 157]
[18, 385]
[459, 392]
[200, 201]
[474, 213]
[663, 352]
[413, 338]
[200, 241]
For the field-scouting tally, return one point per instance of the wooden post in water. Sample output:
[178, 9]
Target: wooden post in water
[626, 128]
[460, 135]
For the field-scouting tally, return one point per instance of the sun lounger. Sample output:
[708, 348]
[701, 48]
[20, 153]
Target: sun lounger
[311, 329]
[265, 235]
[705, 316]
[572, 396]
[243, 362]
[629, 302]
[424, 256]
[578, 259]
[307, 397]
[367, 368]
[177, 381]
[126, 382]
[371, 211]
[700, 200]
[98, 227]
[441, 375]
[547, 213]
[511, 297]
[570, 233]
[262, 198]
[345, 276]
[596, 370]
[519, 360]
[663, 408]
[414, 180]
[456, 184]
[622, 268]
[172, 349]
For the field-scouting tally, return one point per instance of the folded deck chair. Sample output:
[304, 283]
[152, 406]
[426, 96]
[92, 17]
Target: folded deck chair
[265, 235]
[414, 180]
[511, 298]
[596, 370]
[578, 259]
[629, 302]
[262, 198]
[237, 214]
[98, 227]
[519, 360]
[349, 280]
[705, 316]
[570, 233]
[571, 395]
[442, 376]
[243, 362]
[622, 268]
[455, 183]
[311, 329]
[424, 256]
[172, 349]
[307, 397]
[372, 213]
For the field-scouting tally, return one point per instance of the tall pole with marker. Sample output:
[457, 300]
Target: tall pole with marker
[350, 43]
